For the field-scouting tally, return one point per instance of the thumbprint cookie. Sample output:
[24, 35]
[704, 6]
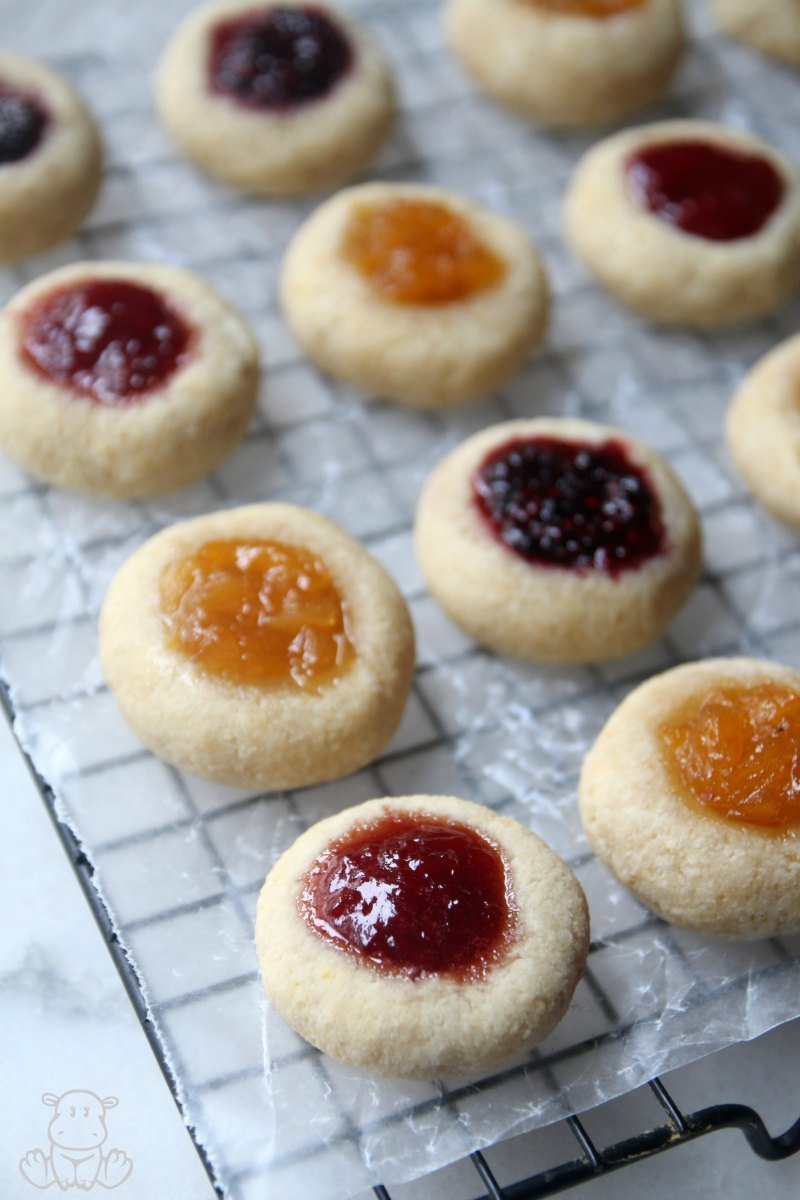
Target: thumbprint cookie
[688, 222]
[558, 540]
[123, 379]
[278, 98]
[50, 158]
[691, 796]
[260, 647]
[414, 294]
[771, 26]
[421, 936]
[568, 63]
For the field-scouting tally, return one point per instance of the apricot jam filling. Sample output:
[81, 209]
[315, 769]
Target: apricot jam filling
[413, 894]
[598, 9]
[414, 251]
[278, 58]
[737, 754]
[107, 339]
[569, 504]
[257, 612]
[23, 121]
[706, 190]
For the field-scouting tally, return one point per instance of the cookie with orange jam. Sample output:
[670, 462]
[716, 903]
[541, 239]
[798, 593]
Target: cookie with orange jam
[421, 936]
[691, 796]
[123, 379]
[260, 647]
[688, 222]
[557, 540]
[568, 63]
[414, 294]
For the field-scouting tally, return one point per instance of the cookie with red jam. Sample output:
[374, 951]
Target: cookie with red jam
[688, 222]
[421, 936]
[123, 379]
[279, 98]
[558, 540]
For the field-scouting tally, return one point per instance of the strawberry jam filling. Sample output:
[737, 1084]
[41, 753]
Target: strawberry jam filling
[258, 613]
[736, 753]
[278, 58]
[706, 190]
[107, 339]
[23, 121]
[570, 504]
[413, 894]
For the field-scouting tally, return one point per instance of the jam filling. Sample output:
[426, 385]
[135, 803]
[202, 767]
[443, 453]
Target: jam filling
[570, 504]
[257, 612]
[737, 754]
[278, 58]
[23, 121]
[708, 191]
[415, 895]
[415, 251]
[598, 9]
[107, 339]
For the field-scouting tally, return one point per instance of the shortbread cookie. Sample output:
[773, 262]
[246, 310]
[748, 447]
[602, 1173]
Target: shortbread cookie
[763, 430]
[772, 26]
[421, 936]
[275, 98]
[123, 379]
[261, 647]
[414, 294]
[568, 62]
[688, 222]
[50, 158]
[558, 540]
[690, 795]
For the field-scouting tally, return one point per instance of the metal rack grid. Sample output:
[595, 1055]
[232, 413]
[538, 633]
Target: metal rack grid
[156, 206]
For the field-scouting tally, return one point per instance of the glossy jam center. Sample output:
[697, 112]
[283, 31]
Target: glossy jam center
[586, 8]
[705, 190]
[278, 58]
[23, 121]
[414, 894]
[738, 754]
[257, 612]
[419, 252]
[107, 339]
[569, 504]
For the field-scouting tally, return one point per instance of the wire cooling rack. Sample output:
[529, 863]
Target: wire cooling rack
[178, 863]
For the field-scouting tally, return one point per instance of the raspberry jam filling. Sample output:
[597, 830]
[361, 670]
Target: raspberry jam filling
[278, 58]
[413, 894]
[23, 121]
[708, 191]
[736, 753]
[570, 504]
[599, 9]
[107, 339]
[414, 251]
[257, 612]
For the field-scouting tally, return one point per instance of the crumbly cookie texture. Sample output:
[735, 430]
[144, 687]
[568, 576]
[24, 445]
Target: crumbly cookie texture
[658, 270]
[167, 439]
[312, 148]
[250, 736]
[763, 431]
[696, 870]
[425, 357]
[772, 26]
[543, 613]
[431, 1026]
[46, 195]
[563, 69]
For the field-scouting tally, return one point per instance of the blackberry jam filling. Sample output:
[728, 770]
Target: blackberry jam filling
[23, 121]
[279, 58]
[570, 504]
